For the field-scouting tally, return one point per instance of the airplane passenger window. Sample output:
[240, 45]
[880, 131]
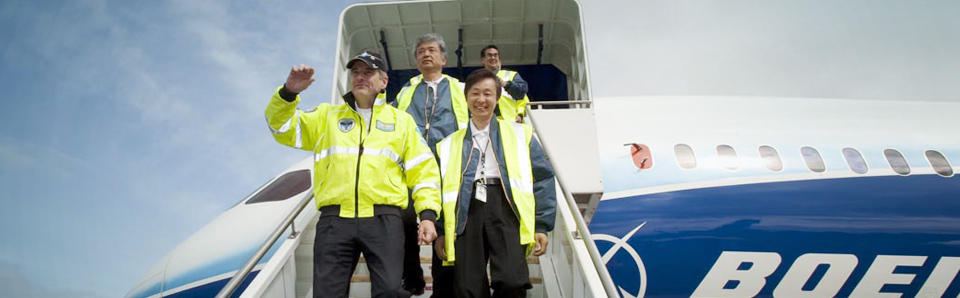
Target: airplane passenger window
[285, 187]
[685, 157]
[939, 163]
[728, 157]
[897, 162]
[812, 158]
[771, 159]
[855, 161]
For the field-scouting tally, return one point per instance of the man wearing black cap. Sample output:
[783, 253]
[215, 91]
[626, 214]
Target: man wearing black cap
[368, 157]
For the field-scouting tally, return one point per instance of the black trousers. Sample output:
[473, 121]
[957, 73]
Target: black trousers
[492, 233]
[412, 273]
[339, 243]
[443, 278]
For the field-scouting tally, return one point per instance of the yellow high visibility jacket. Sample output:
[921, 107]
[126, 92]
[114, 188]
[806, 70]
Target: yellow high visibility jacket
[509, 106]
[356, 164]
[515, 138]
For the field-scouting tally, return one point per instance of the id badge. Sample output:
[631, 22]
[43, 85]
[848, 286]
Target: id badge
[481, 192]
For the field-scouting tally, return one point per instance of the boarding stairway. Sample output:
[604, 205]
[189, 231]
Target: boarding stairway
[360, 281]
[572, 266]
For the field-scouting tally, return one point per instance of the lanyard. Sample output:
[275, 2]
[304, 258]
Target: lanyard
[483, 158]
[433, 109]
[480, 185]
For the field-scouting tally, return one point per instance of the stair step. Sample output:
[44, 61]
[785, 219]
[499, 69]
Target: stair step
[360, 281]
[362, 290]
[428, 279]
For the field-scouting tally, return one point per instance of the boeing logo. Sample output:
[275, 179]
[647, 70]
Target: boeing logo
[621, 243]
[748, 272]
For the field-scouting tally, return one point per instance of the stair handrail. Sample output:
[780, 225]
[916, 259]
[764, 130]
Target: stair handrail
[242, 274]
[579, 103]
[608, 286]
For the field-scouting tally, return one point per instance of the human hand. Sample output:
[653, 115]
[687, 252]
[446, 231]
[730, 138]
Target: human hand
[427, 232]
[439, 247]
[541, 239]
[299, 79]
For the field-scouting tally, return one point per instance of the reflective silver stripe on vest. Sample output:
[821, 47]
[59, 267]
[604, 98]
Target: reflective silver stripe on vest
[384, 152]
[523, 156]
[292, 122]
[425, 185]
[444, 152]
[299, 142]
[526, 187]
[410, 164]
[334, 150]
[286, 126]
[354, 150]
[450, 197]
[505, 76]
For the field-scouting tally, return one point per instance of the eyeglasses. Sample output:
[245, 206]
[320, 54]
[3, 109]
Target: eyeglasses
[492, 55]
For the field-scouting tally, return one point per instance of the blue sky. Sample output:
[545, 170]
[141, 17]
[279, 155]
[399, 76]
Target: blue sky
[126, 126]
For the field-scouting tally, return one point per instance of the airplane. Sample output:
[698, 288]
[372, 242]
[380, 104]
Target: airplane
[662, 196]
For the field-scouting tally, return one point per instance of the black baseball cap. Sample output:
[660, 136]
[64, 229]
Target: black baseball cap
[373, 59]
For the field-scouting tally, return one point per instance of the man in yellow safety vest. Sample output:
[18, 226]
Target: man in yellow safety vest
[513, 103]
[436, 102]
[495, 174]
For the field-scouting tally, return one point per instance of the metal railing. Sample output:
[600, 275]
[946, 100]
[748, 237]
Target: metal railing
[579, 103]
[608, 286]
[242, 274]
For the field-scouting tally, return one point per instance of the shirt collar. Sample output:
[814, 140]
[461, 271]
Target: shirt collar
[476, 131]
[432, 83]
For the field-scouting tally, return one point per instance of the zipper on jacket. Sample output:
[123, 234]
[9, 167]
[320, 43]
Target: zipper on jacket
[356, 193]
[505, 196]
[456, 211]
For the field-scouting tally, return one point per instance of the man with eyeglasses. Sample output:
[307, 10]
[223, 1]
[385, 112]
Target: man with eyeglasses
[513, 103]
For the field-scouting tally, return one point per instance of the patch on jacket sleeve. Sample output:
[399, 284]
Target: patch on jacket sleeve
[346, 124]
[384, 126]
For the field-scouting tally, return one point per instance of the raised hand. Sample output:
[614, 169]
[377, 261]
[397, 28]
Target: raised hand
[299, 79]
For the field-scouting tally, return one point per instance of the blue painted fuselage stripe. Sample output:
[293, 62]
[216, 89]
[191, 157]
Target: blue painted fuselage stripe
[211, 289]
[865, 216]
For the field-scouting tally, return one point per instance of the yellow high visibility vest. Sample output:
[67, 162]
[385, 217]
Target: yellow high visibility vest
[356, 164]
[510, 107]
[516, 152]
[457, 97]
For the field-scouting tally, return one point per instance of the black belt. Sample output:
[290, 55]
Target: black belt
[492, 181]
[334, 210]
